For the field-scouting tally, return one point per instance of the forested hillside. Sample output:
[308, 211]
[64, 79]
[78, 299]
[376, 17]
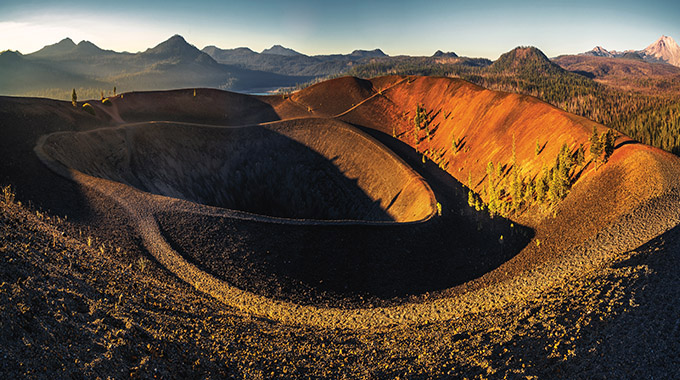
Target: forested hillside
[652, 117]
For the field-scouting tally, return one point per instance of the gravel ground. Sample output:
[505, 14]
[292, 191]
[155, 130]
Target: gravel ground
[67, 310]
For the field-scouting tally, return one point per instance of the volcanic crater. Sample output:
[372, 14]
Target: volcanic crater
[316, 206]
[341, 204]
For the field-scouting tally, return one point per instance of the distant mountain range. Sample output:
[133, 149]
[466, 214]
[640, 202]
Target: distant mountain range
[285, 61]
[663, 50]
[171, 64]
[55, 69]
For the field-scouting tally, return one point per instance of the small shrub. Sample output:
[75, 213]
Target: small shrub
[106, 101]
[471, 198]
[580, 155]
[420, 120]
[87, 107]
[8, 194]
[142, 263]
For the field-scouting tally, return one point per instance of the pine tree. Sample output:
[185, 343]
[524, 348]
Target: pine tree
[471, 198]
[529, 191]
[515, 182]
[542, 184]
[74, 98]
[595, 146]
[420, 119]
[491, 191]
[516, 189]
[607, 140]
[580, 156]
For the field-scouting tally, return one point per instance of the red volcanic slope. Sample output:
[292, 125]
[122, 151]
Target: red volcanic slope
[487, 122]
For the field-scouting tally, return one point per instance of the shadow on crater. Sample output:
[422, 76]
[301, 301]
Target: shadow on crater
[309, 169]
[298, 171]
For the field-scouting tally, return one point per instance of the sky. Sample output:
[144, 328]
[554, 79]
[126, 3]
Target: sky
[469, 28]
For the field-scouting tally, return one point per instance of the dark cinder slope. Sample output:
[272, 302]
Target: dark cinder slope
[316, 169]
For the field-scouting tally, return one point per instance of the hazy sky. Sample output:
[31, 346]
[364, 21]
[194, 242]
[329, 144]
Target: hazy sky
[469, 28]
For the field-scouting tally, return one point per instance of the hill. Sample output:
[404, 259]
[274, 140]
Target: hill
[27, 76]
[523, 59]
[625, 74]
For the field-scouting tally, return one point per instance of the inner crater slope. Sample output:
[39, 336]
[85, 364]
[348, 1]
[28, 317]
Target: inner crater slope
[310, 169]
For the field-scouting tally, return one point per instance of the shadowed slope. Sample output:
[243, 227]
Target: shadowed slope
[303, 170]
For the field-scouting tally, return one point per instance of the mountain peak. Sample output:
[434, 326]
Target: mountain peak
[665, 49]
[62, 47]
[10, 56]
[174, 47]
[375, 53]
[668, 40]
[177, 38]
[65, 42]
[441, 54]
[88, 47]
[523, 58]
[280, 50]
[599, 51]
